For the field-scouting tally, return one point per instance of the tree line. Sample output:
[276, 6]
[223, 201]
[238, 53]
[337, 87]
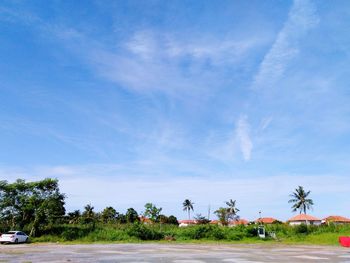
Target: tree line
[35, 205]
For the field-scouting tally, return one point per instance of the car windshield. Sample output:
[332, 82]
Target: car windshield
[10, 233]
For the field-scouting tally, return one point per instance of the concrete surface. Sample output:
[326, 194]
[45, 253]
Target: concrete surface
[174, 253]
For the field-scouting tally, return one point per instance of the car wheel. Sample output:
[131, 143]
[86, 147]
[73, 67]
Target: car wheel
[26, 241]
[16, 241]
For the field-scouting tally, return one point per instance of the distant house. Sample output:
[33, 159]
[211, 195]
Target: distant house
[240, 221]
[214, 222]
[338, 220]
[145, 220]
[266, 220]
[304, 219]
[183, 223]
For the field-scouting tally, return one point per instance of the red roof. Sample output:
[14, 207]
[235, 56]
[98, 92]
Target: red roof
[339, 219]
[266, 220]
[214, 222]
[145, 219]
[187, 222]
[303, 217]
[239, 222]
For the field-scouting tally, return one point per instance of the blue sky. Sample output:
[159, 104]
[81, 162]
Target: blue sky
[128, 102]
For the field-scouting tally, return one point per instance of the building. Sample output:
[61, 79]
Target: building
[338, 220]
[266, 220]
[304, 219]
[240, 221]
[183, 223]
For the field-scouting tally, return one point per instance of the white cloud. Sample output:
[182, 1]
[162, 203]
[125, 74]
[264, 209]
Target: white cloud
[302, 17]
[244, 140]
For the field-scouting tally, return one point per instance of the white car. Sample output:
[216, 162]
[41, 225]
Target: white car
[14, 237]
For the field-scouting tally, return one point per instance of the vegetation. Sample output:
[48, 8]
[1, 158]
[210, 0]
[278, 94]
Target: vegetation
[188, 206]
[38, 208]
[300, 200]
[285, 234]
[227, 214]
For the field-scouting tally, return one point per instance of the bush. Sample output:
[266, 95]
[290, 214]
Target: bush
[143, 232]
[301, 229]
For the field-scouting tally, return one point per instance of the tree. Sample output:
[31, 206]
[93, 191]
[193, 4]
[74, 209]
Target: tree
[34, 204]
[188, 206]
[89, 215]
[152, 212]
[132, 216]
[221, 213]
[108, 215]
[73, 217]
[232, 210]
[225, 214]
[172, 220]
[201, 220]
[300, 200]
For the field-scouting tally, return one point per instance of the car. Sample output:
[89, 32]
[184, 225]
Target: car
[14, 237]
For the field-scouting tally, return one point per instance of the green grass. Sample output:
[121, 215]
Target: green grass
[134, 233]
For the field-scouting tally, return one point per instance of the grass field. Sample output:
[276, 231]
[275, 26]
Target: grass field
[321, 235]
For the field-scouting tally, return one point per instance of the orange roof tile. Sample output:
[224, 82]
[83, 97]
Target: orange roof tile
[187, 221]
[340, 219]
[303, 217]
[266, 220]
[239, 222]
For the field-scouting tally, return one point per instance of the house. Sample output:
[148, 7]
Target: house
[240, 221]
[338, 220]
[214, 222]
[266, 220]
[183, 223]
[304, 219]
[145, 220]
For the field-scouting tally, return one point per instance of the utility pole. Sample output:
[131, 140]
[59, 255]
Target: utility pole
[209, 212]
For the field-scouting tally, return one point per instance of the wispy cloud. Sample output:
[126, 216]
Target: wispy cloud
[243, 136]
[301, 19]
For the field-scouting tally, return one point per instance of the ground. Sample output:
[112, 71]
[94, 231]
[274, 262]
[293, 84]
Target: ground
[172, 253]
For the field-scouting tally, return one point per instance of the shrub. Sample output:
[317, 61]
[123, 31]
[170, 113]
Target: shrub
[301, 229]
[144, 233]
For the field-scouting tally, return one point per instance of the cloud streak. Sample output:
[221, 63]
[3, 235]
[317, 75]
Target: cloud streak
[243, 136]
[301, 19]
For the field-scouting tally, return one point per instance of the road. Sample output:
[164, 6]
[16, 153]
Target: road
[172, 253]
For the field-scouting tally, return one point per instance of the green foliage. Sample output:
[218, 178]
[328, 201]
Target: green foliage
[300, 200]
[131, 216]
[35, 204]
[301, 229]
[152, 212]
[187, 205]
[143, 232]
[108, 215]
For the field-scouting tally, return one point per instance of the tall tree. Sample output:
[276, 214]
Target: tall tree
[232, 210]
[300, 200]
[89, 215]
[152, 212]
[31, 203]
[108, 215]
[132, 215]
[221, 213]
[187, 205]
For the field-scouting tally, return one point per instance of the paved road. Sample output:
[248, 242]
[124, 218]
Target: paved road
[172, 253]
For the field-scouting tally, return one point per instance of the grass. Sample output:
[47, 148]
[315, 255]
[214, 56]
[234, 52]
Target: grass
[135, 233]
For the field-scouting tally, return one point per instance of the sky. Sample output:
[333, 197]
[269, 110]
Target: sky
[129, 102]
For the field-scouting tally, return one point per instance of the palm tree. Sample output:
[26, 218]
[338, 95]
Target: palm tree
[300, 200]
[188, 206]
[232, 210]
